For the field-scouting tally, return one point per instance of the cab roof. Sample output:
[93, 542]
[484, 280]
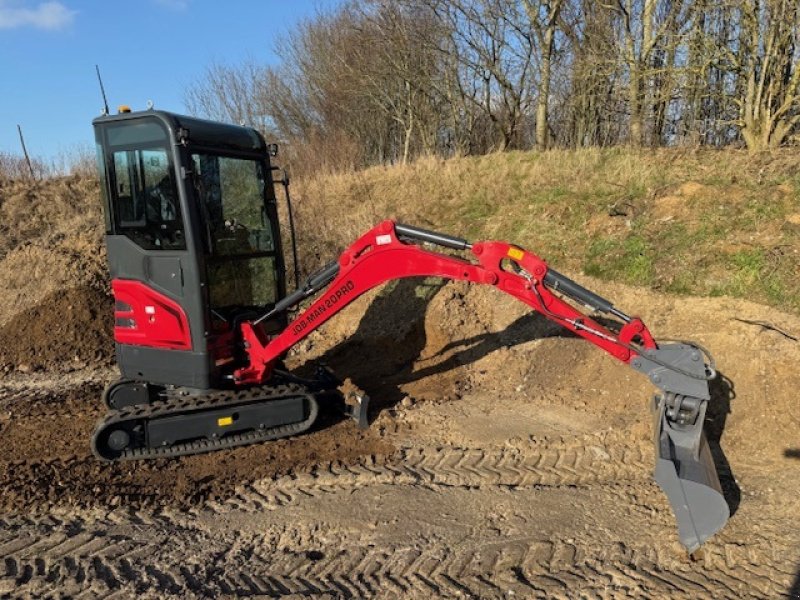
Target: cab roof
[194, 131]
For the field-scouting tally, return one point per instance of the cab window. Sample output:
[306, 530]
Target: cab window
[145, 200]
[241, 264]
[231, 191]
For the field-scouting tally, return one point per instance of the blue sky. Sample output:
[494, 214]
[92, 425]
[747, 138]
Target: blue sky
[146, 49]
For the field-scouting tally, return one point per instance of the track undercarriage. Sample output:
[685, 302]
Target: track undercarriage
[181, 422]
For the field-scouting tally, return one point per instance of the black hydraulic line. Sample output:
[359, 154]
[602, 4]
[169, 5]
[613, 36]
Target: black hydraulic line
[432, 237]
[561, 283]
[322, 277]
[285, 182]
[310, 286]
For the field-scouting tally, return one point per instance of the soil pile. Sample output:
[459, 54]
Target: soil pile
[55, 311]
[68, 330]
[445, 342]
[51, 239]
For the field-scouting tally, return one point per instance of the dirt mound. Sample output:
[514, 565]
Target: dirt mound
[53, 208]
[51, 238]
[443, 342]
[70, 328]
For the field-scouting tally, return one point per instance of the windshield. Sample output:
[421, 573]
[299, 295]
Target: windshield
[241, 257]
[232, 191]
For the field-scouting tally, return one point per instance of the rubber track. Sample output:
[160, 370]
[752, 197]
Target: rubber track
[214, 400]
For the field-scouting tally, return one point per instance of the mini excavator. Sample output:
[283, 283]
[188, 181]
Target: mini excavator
[202, 315]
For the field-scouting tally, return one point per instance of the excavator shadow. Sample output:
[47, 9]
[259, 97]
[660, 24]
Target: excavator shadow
[722, 393]
[381, 357]
[382, 354]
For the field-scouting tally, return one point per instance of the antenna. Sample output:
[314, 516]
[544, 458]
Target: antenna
[25, 152]
[102, 90]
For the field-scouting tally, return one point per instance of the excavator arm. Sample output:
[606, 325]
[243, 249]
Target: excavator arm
[393, 251]
[684, 466]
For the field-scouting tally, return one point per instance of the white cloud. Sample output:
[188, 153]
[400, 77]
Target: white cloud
[173, 4]
[47, 15]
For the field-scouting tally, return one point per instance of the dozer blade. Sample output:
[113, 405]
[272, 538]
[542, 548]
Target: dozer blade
[686, 472]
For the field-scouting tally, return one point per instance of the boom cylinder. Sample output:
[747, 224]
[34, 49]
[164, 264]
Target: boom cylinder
[310, 286]
[432, 237]
[561, 283]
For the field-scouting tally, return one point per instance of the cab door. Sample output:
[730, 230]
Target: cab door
[243, 259]
[159, 313]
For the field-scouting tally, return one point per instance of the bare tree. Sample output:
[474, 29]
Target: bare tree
[493, 51]
[381, 81]
[770, 64]
[543, 17]
[643, 26]
[233, 93]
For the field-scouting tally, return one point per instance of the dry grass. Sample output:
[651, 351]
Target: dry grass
[78, 160]
[51, 238]
[708, 222]
[14, 166]
[685, 221]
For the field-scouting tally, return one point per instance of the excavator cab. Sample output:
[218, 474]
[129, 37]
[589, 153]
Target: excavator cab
[193, 242]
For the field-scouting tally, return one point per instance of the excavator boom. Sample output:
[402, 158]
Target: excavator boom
[392, 251]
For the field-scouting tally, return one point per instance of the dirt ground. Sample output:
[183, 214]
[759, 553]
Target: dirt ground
[504, 459]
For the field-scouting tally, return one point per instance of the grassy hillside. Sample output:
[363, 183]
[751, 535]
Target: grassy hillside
[701, 222]
[709, 222]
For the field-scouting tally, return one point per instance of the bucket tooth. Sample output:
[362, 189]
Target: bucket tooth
[686, 473]
[356, 408]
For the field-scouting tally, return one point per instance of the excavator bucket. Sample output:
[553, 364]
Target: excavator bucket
[686, 472]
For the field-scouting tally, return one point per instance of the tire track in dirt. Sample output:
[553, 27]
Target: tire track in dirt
[118, 554]
[527, 566]
[451, 466]
[86, 555]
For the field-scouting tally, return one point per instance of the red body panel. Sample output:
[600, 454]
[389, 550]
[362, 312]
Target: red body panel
[144, 317]
[379, 256]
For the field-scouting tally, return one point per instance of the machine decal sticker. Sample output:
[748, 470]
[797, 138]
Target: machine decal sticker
[325, 304]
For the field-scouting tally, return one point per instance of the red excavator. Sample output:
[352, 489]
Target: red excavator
[202, 313]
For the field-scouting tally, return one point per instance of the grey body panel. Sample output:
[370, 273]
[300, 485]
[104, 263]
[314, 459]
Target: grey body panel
[173, 274]
[166, 272]
[165, 367]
